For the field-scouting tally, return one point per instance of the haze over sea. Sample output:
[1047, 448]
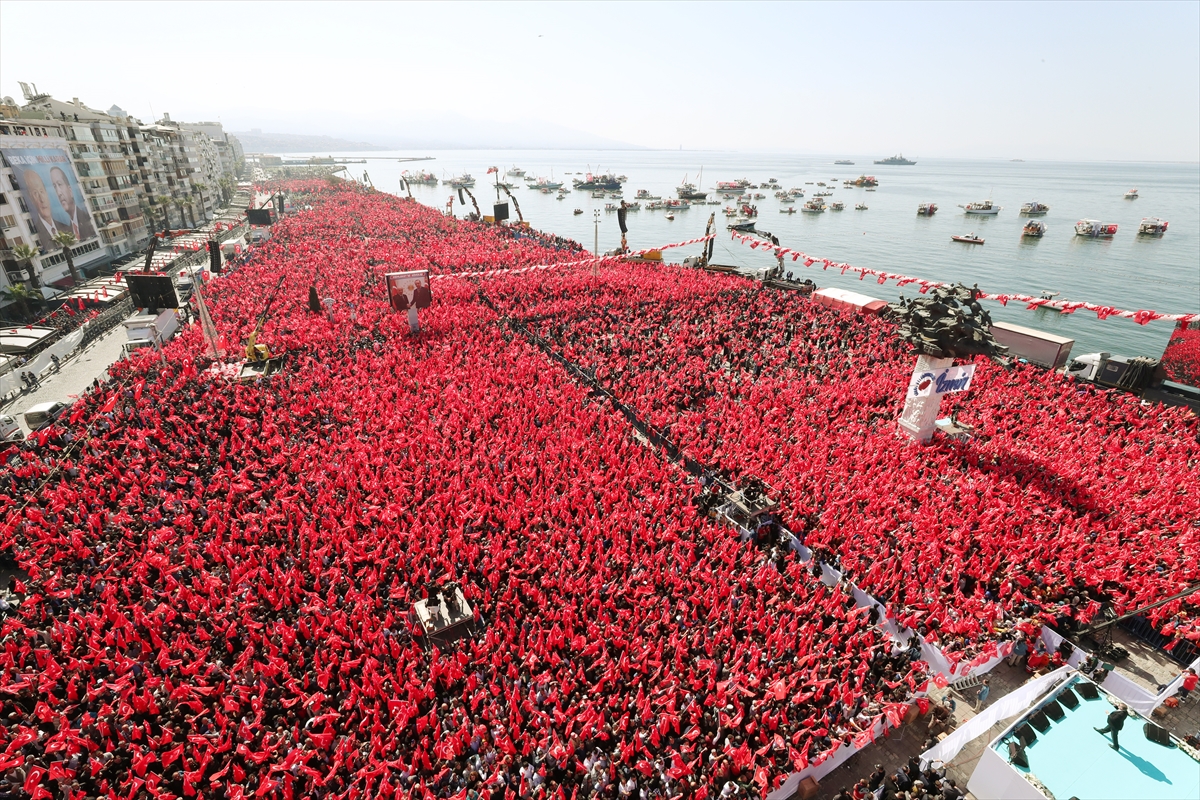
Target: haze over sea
[1128, 271]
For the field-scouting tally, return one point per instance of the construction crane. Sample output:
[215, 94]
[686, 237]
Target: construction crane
[256, 352]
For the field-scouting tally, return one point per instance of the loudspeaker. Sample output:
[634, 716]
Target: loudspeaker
[1067, 698]
[1087, 691]
[1016, 755]
[1040, 722]
[1025, 734]
[1156, 734]
[500, 211]
[1065, 649]
[279, 205]
[214, 256]
[258, 216]
[1053, 710]
[151, 291]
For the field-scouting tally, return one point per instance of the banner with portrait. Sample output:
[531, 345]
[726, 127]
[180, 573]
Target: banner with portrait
[409, 289]
[47, 180]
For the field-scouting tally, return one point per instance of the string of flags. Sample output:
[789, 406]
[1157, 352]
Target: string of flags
[585, 262]
[1141, 317]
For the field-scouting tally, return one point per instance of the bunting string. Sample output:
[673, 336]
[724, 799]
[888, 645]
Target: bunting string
[585, 262]
[1141, 317]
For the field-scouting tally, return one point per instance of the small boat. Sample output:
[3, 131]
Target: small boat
[745, 226]
[970, 238]
[1095, 229]
[1152, 226]
[759, 196]
[772, 181]
[1131, 194]
[634, 206]
[787, 199]
[861, 207]
[608, 182]
[464, 181]
[561, 197]
[808, 183]
[729, 211]
[1034, 209]
[733, 187]
[677, 205]
[642, 194]
[611, 207]
[844, 163]
[983, 207]
[837, 205]
[670, 215]
[423, 178]
[598, 194]
[1034, 229]
[516, 172]
[814, 206]
[788, 210]
[926, 209]
[578, 211]
[870, 190]
[655, 205]
[615, 195]
[820, 183]
[542, 183]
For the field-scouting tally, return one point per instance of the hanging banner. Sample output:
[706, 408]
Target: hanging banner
[409, 289]
[942, 381]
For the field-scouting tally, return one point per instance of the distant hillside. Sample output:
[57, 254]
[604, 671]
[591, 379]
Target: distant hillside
[259, 142]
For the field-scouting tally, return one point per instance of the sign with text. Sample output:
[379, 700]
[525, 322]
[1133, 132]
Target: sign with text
[941, 381]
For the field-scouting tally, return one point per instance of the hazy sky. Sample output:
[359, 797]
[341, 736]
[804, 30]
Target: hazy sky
[1072, 81]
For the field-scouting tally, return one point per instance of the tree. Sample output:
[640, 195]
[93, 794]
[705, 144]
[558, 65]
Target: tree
[25, 253]
[22, 297]
[226, 185]
[66, 240]
[179, 204]
[199, 188]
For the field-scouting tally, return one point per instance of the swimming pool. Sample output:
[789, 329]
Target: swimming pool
[1073, 760]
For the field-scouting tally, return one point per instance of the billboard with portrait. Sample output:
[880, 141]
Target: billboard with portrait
[409, 289]
[47, 180]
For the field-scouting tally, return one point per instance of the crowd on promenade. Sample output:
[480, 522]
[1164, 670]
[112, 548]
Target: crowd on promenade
[1066, 498]
[218, 577]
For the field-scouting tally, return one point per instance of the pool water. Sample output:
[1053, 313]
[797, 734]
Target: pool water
[1073, 760]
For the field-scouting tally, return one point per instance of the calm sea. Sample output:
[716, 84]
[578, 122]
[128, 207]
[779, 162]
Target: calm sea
[1128, 271]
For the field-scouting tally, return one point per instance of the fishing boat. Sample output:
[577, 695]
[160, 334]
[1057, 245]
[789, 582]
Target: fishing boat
[896, 160]
[670, 215]
[1095, 229]
[543, 183]
[866, 180]
[642, 194]
[749, 211]
[1034, 229]
[926, 209]
[983, 207]
[609, 182]
[688, 191]
[969, 238]
[561, 196]
[610, 207]
[870, 190]
[677, 205]
[634, 206]
[844, 163]
[814, 206]
[772, 181]
[745, 226]
[837, 205]
[1131, 194]
[729, 211]
[1152, 226]
[423, 178]
[577, 211]
[861, 207]
[823, 194]
[598, 195]
[787, 199]
[796, 191]
[464, 181]
[733, 187]
[788, 210]
[820, 183]
[655, 205]
[1034, 209]
[516, 172]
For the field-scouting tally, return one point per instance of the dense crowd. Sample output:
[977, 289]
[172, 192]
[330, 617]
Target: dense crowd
[218, 578]
[1066, 498]
[1181, 359]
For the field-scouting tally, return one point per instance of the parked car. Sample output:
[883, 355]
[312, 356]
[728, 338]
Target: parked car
[10, 429]
[42, 414]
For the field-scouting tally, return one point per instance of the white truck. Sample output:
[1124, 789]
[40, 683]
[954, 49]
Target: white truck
[1037, 347]
[143, 330]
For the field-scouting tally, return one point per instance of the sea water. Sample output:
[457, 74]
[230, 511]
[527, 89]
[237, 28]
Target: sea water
[1129, 271]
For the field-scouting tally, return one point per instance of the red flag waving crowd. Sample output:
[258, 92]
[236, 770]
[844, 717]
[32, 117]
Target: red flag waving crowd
[221, 576]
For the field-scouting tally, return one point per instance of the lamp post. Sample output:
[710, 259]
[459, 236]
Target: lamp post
[596, 241]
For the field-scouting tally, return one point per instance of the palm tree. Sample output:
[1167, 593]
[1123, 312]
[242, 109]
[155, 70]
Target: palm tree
[21, 296]
[199, 188]
[66, 240]
[225, 185]
[26, 253]
[178, 203]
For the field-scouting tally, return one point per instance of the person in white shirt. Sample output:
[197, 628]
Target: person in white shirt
[78, 219]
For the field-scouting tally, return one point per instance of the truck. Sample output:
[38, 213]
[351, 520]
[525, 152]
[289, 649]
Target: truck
[1143, 377]
[1037, 347]
[144, 330]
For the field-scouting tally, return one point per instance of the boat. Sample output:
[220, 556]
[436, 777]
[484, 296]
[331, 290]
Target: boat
[896, 160]
[837, 205]
[642, 194]
[561, 196]
[749, 210]
[745, 226]
[759, 196]
[866, 180]
[787, 199]
[1152, 226]
[655, 205]
[983, 207]
[688, 191]
[577, 211]
[611, 207]
[733, 187]
[871, 190]
[861, 207]
[599, 195]
[772, 181]
[542, 183]
[1034, 209]
[464, 181]
[814, 206]
[788, 210]
[844, 163]
[423, 178]
[823, 194]
[607, 182]
[516, 172]
[1131, 194]
[1095, 229]
[677, 205]
[729, 211]
[820, 183]
[670, 215]
[1034, 229]
[616, 195]
[969, 238]
[634, 206]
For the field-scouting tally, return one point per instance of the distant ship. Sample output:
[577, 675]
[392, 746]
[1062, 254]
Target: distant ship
[894, 160]
[608, 182]
[846, 163]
